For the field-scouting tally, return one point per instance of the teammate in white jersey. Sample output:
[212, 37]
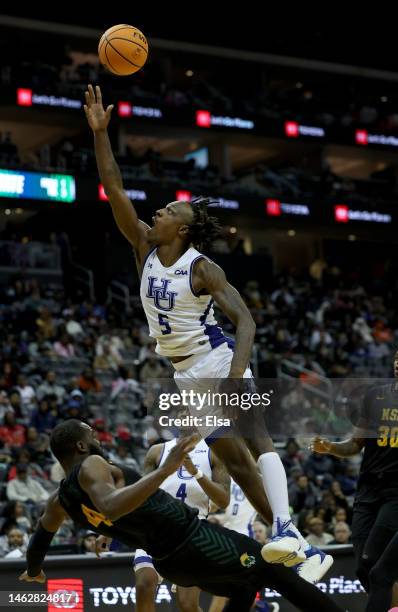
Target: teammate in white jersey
[178, 288]
[202, 479]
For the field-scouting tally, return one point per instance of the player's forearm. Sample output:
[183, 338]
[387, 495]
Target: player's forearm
[347, 448]
[38, 546]
[108, 169]
[244, 338]
[123, 501]
[215, 492]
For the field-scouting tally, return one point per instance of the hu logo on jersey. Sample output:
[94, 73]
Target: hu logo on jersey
[162, 297]
[247, 560]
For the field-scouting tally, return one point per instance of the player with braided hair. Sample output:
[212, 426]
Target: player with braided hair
[179, 286]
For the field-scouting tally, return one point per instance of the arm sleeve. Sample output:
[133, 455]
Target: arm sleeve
[38, 546]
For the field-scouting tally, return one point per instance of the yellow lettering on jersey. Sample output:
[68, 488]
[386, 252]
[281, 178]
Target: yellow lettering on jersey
[386, 414]
[383, 439]
[94, 517]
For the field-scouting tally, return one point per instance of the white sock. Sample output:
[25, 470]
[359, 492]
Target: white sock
[275, 485]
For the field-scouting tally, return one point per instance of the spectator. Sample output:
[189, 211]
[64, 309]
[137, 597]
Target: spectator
[50, 387]
[15, 511]
[73, 327]
[45, 324]
[152, 368]
[38, 445]
[88, 381]
[5, 405]
[25, 488]
[123, 456]
[13, 546]
[64, 347]
[303, 494]
[11, 433]
[124, 383]
[342, 534]
[341, 500]
[259, 532]
[76, 408]
[88, 543]
[317, 535]
[26, 391]
[42, 418]
[104, 436]
[16, 403]
[317, 466]
[291, 457]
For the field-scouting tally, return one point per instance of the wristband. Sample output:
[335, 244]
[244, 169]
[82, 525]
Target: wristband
[199, 474]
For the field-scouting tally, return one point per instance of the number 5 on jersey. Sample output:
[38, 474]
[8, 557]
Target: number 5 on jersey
[163, 322]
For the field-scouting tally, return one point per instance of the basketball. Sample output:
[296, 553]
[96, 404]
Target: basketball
[123, 49]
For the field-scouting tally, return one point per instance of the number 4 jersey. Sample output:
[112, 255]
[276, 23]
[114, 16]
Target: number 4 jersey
[181, 322]
[182, 485]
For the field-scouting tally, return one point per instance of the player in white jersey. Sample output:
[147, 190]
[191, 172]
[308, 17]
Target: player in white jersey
[201, 480]
[240, 514]
[178, 288]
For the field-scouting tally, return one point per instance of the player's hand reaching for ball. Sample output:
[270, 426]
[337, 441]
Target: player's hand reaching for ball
[178, 454]
[24, 577]
[321, 446]
[97, 117]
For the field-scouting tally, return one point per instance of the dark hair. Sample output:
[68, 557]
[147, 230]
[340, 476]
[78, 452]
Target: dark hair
[64, 438]
[203, 229]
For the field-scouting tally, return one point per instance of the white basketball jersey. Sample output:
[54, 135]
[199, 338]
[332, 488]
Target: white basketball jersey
[182, 485]
[239, 515]
[181, 322]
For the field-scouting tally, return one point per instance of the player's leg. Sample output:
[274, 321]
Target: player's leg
[373, 529]
[305, 596]
[232, 451]
[146, 582]
[188, 599]
[218, 604]
[382, 577]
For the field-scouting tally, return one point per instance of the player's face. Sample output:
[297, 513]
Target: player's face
[170, 222]
[92, 442]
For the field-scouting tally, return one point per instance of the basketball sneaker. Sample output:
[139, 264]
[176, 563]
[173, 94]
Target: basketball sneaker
[315, 566]
[284, 546]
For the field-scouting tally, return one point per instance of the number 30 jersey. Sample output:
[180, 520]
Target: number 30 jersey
[182, 485]
[181, 322]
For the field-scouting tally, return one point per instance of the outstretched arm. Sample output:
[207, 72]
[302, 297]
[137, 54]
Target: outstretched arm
[211, 278]
[123, 210]
[346, 448]
[95, 477]
[39, 543]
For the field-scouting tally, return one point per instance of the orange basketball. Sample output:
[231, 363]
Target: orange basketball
[123, 49]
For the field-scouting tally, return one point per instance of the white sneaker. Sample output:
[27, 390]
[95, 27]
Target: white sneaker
[315, 566]
[275, 607]
[284, 547]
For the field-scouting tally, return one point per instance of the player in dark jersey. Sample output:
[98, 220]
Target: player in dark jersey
[116, 502]
[375, 517]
